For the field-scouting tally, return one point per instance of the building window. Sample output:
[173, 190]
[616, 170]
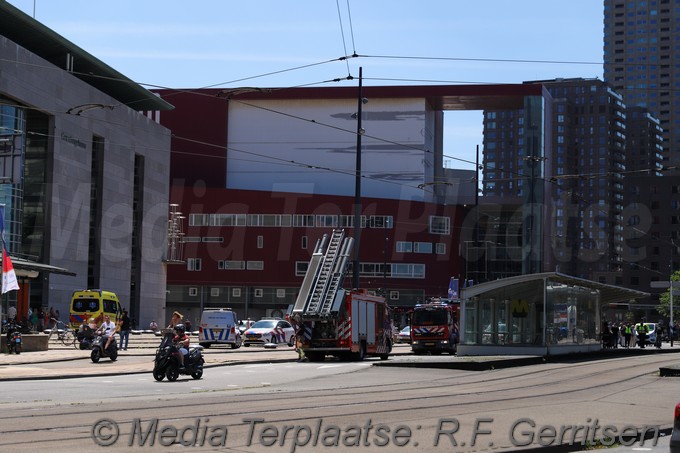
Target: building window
[380, 221]
[394, 295]
[231, 265]
[260, 241]
[236, 292]
[269, 220]
[440, 248]
[227, 219]
[404, 270]
[330, 221]
[194, 264]
[213, 239]
[280, 293]
[214, 292]
[303, 242]
[440, 225]
[404, 247]
[422, 247]
[303, 220]
[198, 219]
[301, 268]
[259, 292]
[193, 292]
[347, 221]
[255, 265]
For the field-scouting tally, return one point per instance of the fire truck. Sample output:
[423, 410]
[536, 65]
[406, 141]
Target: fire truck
[330, 320]
[434, 327]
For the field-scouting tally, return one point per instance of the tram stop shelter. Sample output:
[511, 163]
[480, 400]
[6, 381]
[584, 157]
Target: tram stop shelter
[536, 314]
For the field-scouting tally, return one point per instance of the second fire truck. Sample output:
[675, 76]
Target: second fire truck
[434, 327]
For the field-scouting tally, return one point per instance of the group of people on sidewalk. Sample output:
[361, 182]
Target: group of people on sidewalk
[628, 334]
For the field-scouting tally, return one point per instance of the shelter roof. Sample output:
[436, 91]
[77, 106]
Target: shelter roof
[608, 293]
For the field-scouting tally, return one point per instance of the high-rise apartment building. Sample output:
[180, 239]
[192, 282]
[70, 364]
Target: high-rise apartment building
[585, 165]
[641, 55]
[641, 61]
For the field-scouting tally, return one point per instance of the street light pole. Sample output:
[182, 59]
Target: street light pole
[357, 193]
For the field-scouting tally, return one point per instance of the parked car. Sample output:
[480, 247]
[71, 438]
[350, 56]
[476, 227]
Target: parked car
[651, 334]
[245, 325]
[675, 436]
[404, 335]
[270, 331]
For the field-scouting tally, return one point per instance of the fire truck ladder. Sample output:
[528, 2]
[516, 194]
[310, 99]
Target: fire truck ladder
[326, 271]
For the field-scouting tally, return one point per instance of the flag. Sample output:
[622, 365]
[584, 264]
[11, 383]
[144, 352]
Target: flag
[9, 277]
[453, 288]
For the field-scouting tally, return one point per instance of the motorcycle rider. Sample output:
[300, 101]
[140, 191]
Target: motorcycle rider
[181, 340]
[108, 328]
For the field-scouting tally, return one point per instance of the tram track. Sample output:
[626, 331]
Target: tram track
[467, 392]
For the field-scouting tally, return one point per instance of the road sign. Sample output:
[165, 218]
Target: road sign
[676, 285]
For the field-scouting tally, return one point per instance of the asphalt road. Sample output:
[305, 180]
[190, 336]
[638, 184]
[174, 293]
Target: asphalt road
[336, 406]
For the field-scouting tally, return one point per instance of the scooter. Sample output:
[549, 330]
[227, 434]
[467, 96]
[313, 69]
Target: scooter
[85, 339]
[166, 363]
[98, 350]
[13, 337]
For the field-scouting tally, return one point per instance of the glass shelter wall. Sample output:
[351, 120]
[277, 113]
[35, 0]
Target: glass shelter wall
[511, 315]
[518, 314]
[573, 316]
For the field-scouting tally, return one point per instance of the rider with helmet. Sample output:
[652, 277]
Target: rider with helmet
[181, 340]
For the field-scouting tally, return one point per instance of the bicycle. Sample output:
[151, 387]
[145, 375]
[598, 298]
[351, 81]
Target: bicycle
[66, 335]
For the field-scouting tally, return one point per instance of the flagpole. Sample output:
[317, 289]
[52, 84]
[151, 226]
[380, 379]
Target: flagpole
[5, 305]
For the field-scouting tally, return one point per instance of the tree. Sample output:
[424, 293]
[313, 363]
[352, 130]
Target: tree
[665, 300]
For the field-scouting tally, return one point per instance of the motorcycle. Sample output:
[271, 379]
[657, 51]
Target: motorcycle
[98, 350]
[166, 363]
[13, 337]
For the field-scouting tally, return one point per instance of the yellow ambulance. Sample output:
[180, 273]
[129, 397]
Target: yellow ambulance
[93, 303]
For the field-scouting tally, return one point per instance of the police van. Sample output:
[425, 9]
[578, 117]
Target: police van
[219, 326]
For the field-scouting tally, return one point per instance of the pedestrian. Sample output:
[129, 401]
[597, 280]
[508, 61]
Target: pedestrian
[33, 317]
[615, 335]
[176, 319]
[641, 329]
[627, 334]
[11, 312]
[124, 331]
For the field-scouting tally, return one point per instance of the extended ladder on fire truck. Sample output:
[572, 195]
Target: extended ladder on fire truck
[325, 273]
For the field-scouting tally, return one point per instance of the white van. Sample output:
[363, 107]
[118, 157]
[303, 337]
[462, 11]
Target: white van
[219, 326]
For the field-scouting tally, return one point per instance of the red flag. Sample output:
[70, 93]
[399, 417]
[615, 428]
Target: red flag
[9, 277]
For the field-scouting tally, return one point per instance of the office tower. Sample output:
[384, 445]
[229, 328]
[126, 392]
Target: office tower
[586, 160]
[641, 54]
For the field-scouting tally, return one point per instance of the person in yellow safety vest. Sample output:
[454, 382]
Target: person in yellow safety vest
[627, 334]
[642, 331]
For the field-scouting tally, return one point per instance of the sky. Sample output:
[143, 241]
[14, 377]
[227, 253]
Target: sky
[290, 43]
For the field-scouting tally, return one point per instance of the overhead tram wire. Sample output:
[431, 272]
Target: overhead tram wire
[481, 60]
[342, 33]
[351, 30]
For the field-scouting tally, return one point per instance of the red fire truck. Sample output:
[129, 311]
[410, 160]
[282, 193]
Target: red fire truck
[434, 327]
[332, 321]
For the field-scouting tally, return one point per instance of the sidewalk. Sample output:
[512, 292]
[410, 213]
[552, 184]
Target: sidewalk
[63, 362]
[77, 363]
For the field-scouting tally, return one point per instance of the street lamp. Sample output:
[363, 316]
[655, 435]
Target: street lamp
[357, 190]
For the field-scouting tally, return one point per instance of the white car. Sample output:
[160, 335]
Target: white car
[270, 331]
